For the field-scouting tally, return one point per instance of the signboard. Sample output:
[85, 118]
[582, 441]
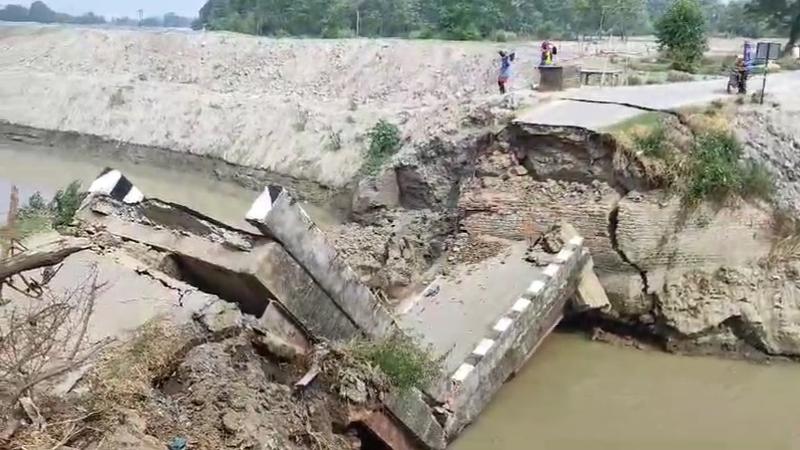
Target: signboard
[768, 51]
[765, 52]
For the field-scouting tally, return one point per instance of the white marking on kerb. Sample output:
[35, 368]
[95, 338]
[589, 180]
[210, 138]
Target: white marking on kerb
[502, 324]
[535, 287]
[521, 305]
[576, 241]
[134, 196]
[483, 347]
[462, 372]
[551, 270]
[261, 207]
[563, 255]
[105, 183]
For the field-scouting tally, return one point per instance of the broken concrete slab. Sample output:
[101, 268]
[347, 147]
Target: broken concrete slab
[512, 340]
[278, 215]
[411, 410]
[590, 294]
[250, 277]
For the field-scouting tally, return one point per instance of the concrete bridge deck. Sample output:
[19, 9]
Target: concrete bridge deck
[455, 312]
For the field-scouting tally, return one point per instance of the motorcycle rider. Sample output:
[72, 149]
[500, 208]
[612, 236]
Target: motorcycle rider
[741, 73]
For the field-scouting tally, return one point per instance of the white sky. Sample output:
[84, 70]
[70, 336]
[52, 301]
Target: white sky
[118, 8]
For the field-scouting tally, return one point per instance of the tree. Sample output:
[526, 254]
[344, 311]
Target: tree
[738, 21]
[40, 12]
[151, 22]
[783, 15]
[14, 13]
[173, 20]
[681, 32]
[616, 16]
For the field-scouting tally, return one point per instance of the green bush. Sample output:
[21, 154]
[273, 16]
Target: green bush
[38, 215]
[401, 358]
[503, 36]
[716, 171]
[384, 141]
[715, 167]
[65, 204]
[675, 76]
[681, 33]
[338, 33]
[652, 142]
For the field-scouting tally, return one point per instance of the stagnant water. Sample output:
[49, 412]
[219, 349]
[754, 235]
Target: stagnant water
[573, 395]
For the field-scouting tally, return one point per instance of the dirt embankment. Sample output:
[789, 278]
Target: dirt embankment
[298, 108]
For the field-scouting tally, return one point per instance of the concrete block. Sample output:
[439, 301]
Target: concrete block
[278, 215]
[590, 293]
[300, 295]
[410, 408]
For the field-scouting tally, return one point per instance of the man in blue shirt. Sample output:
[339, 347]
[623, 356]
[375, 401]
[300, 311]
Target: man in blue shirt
[505, 70]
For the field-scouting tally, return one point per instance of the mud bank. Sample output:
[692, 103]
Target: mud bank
[702, 278]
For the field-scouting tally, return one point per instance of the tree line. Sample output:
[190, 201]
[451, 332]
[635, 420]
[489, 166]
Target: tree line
[41, 13]
[482, 19]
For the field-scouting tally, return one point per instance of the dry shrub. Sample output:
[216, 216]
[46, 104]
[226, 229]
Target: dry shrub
[786, 241]
[124, 377]
[43, 336]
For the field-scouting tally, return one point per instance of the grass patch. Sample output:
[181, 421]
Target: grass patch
[698, 158]
[716, 172]
[651, 141]
[649, 66]
[384, 141]
[676, 76]
[402, 359]
[125, 377]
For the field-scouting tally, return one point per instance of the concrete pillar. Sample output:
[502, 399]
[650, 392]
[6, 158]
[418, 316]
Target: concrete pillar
[279, 216]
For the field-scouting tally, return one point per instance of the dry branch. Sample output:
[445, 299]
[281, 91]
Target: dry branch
[46, 255]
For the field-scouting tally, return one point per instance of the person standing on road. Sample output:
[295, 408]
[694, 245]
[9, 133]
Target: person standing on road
[741, 72]
[505, 70]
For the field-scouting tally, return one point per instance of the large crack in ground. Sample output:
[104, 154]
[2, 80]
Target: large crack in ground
[613, 224]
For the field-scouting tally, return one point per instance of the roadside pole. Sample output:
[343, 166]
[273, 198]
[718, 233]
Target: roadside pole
[764, 84]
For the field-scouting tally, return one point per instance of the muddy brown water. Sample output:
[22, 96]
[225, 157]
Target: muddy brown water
[573, 395]
[35, 168]
[580, 395]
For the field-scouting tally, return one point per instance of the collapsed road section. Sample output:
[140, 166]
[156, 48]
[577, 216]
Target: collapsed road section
[284, 275]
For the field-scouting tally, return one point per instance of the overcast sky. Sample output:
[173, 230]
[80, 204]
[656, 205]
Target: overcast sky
[118, 8]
